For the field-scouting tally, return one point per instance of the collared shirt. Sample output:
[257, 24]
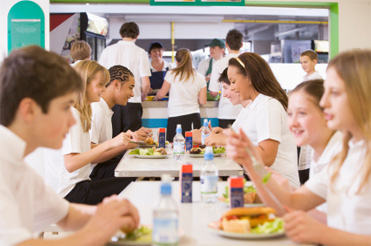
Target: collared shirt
[313, 76]
[127, 54]
[268, 120]
[27, 204]
[76, 141]
[347, 210]
[203, 66]
[167, 66]
[101, 128]
[226, 110]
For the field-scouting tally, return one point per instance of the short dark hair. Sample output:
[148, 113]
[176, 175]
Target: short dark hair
[32, 72]
[120, 73]
[234, 39]
[129, 30]
[223, 78]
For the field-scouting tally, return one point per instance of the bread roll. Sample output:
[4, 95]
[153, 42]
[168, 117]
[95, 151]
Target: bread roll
[236, 226]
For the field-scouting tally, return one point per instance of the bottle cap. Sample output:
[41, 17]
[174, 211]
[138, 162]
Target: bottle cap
[187, 168]
[206, 123]
[166, 189]
[188, 134]
[162, 130]
[209, 153]
[235, 182]
[178, 128]
[166, 178]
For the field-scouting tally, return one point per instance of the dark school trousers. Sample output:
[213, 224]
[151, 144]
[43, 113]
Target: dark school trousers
[225, 123]
[127, 117]
[105, 170]
[186, 122]
[93, 192]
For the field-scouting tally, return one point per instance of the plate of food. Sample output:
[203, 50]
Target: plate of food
[198, 152]
[250, 196]
[139, 237]
[249, 223]
[149, 153]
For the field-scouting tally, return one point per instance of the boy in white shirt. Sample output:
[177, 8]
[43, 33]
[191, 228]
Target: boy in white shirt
[118, 91]
[308, 61]
[37, 91]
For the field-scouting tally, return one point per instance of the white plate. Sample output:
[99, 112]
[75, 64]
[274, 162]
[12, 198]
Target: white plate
[202, 155]
[150, 156]
[214, 226]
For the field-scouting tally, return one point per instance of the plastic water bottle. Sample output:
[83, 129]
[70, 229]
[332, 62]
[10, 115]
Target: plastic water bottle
[205, 132]
[178, 142]
[209, 178]
[165, 216]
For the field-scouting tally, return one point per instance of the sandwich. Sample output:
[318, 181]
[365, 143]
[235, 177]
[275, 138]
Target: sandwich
[243, 220]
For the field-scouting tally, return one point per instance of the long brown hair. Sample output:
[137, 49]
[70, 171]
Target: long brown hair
[184, 69]
[262, 78]
[353, 67]
[88, 70]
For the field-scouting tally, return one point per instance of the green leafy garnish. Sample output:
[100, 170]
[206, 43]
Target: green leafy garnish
[267, 177]
[134, 152]
[219, 150]
[143, 233]
[275, 226]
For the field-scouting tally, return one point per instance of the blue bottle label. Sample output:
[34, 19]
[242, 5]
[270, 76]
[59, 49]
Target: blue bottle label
[161, 140]
[236, 197]
[186, 187]
[189, 143]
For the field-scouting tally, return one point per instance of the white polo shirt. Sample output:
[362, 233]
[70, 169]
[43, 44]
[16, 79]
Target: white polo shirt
[241, 119]
[183, 95]
[314, 75]
[347, 210]
[27, 205]
[101, 127]
[268, 120]
[203, 66]
[226, 111]
[127, 54]
[76, 141]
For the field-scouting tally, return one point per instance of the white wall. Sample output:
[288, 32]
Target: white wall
[5, 6]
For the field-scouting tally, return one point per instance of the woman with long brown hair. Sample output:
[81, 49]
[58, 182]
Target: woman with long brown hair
[187, 91]
[252, 78]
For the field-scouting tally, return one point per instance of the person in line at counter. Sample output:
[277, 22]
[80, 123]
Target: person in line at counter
[127, 54]
[38, 89]
[252, 78]
[70, 168]
[217, 136]
[227, 113]
[158, 65]
[80, 51]
[217, 49]
[118, 91]
[345, 183]
[187, 91]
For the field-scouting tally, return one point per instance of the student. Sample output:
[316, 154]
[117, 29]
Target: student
[80, 50]
[345, 183]
[118, 91]
[252, 78]
[187, 90]
[227, 113]
[158, 65]
[217, 137]
[126, 53]
[308, 61]
[69, 173]
[37, 89]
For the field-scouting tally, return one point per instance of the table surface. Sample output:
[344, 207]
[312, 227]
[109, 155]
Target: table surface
[193, 217]
[130, 166]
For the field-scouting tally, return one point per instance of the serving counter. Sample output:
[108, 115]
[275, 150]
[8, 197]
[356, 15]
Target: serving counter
[155, 113]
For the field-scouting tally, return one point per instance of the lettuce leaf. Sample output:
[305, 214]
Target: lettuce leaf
[275, 226]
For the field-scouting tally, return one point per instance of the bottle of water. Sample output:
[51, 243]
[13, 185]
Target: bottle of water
[165, 217]
[178, 142]
[205, 132]
[209, 178]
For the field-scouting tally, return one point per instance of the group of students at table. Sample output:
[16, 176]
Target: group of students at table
[44, 102]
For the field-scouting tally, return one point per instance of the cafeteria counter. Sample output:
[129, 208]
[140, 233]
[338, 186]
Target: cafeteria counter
[155, 113]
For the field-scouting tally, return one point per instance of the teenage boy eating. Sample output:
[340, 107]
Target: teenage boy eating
[37, 90]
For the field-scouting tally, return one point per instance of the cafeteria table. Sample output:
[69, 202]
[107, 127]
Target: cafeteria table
[193, 217]
[130, 166]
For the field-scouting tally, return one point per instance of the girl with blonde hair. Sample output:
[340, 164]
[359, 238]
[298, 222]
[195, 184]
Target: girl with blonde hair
[187, 91]
[69, 175]
[344, 183]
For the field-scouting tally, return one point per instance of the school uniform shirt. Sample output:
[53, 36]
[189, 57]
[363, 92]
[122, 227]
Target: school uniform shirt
[127, 54]
[268, 120]
[183, 95]
[333, 147]
[240, 120]
[167, 66]
[305, 157]
[77, 141]
[226, 110]
[347, 210]
[27, 204]
[203, 66]
[101, 127]
[314, 75]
